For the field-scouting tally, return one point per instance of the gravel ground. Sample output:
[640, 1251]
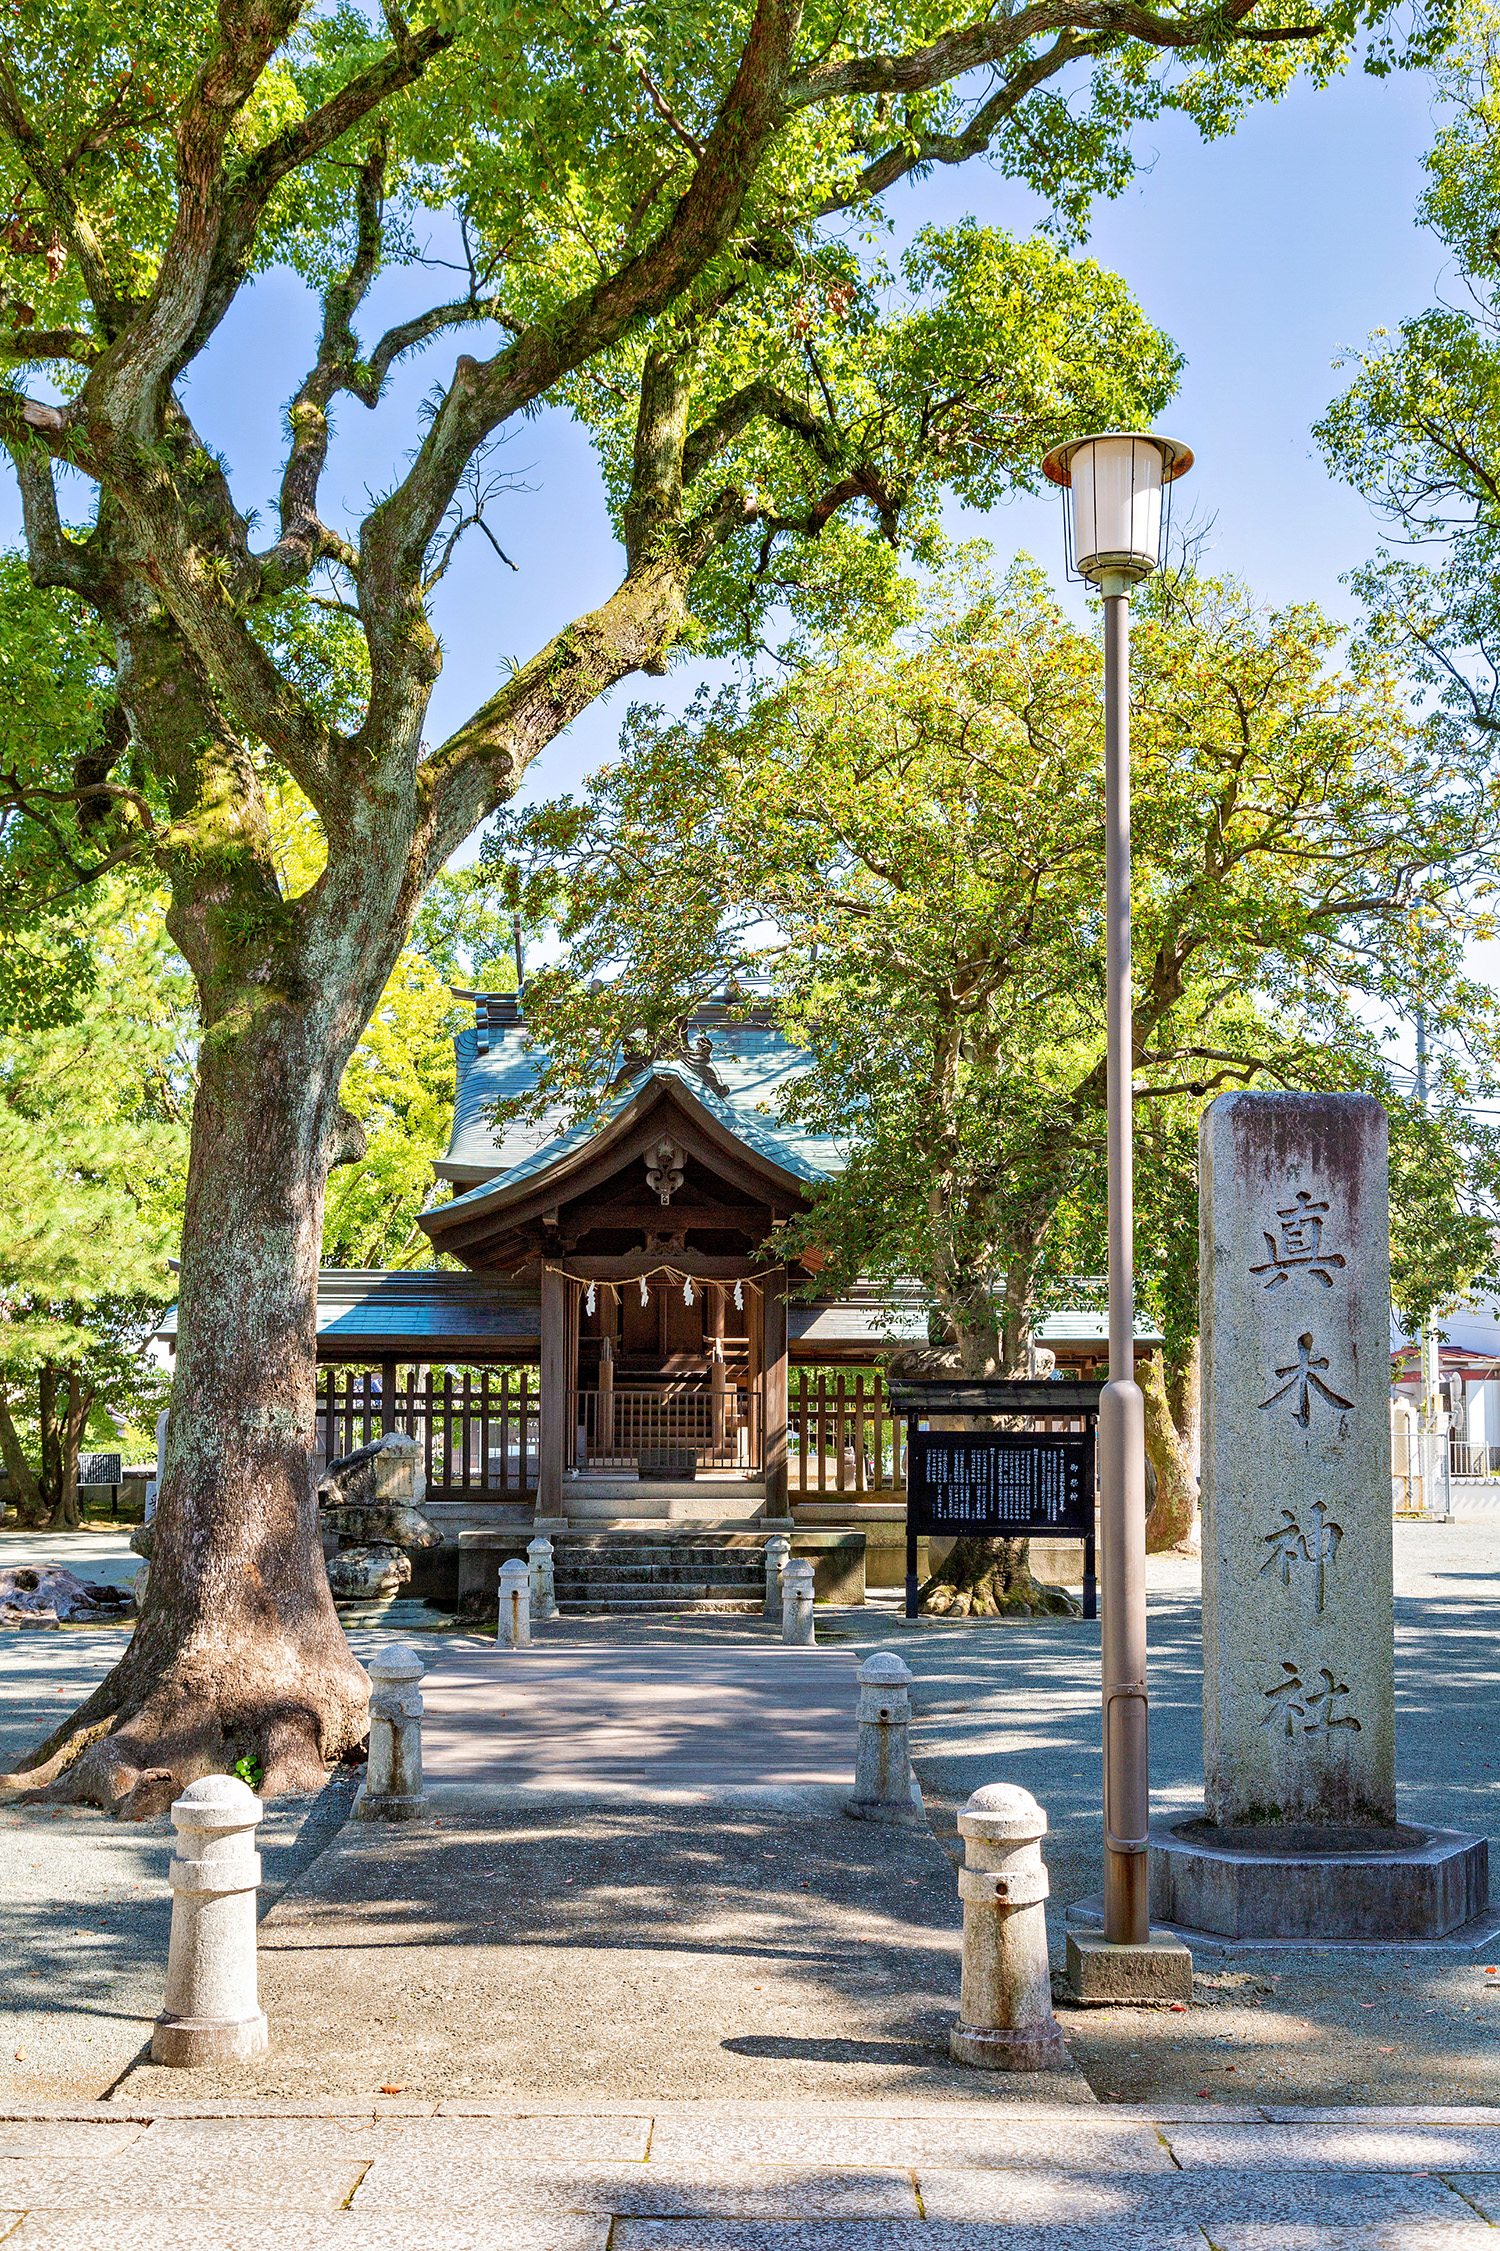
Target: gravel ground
[86, 1909]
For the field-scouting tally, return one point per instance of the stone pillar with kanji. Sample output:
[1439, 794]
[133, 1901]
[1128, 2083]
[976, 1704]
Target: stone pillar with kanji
[1298, 1632]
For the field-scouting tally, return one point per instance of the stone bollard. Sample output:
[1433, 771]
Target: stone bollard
[797, 1603]
[1005, 2008]
[884, 1785]
[211, 2013]
[543, 1584]
[515, 1604]
[392, 1787]
[778, 1555]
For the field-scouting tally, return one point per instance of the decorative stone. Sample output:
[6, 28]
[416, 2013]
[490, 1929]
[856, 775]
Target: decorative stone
[388, 1469]
[885, 1789]
[515, 1604]
[778, 1555]
[1298, 1629]
[362, 1573]
[211, 2014]
[797, 1604]
[540, 1564]
[1005, 1998]
[47, 1595]
[392, 1788]
[373, 1497]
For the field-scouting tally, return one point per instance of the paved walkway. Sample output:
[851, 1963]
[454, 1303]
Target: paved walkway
[592, 1939]
[702, 2176]
[643, 1720]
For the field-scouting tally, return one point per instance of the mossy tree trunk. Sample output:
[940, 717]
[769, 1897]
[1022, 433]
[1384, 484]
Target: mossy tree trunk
[1175, 1507]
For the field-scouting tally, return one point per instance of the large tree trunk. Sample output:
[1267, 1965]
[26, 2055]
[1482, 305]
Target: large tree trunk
[238, 1651]
[1176, 1505]
[67, 1514]
[27, 1497]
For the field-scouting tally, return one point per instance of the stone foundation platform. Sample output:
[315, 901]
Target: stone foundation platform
[1402, 1885]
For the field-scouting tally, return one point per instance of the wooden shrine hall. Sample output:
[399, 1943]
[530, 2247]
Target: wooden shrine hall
[624, 1306]
[649, 1237]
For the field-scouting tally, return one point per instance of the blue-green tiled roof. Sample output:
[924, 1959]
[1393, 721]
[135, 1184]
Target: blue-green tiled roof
[753, 1063]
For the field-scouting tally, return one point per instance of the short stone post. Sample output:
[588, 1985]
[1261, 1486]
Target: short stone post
[1005, 2007]
[797, 1603]
[515, 1604]
[211, 2013]
[543, 1583]
[778, 1555]
[392, 1787]
[884, 1785]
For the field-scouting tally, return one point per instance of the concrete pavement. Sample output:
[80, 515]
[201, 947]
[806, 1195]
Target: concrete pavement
[83, 1901]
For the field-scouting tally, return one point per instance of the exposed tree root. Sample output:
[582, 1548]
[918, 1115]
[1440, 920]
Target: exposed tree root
[988, 1578]
[148, 1731]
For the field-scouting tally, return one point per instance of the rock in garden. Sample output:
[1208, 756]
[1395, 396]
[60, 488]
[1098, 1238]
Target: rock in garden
[359, 1574]
[375, 1495]
[50, 1596]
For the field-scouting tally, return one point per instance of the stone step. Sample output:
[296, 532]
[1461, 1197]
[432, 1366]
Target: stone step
[656, 1574]
[707, 1486]
[631, 1606]
[642, 1551]
[689, 1536]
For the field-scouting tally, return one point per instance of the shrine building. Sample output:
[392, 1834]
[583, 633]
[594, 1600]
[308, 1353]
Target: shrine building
[626, 1343]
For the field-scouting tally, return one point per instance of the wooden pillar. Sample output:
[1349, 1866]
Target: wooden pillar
[606, 1431]
[554, 1404]
[773, 1362]
[575, 1325]
[387, 1396]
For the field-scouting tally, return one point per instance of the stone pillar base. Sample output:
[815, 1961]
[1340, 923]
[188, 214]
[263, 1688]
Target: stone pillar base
[185, 2041]
[1101, 1975]
[1396, 1886]
[379, 1807]
[1030, 2047]
[911, 1815]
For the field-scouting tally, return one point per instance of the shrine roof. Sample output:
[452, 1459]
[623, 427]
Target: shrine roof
[753, 1064]
[362, 1311]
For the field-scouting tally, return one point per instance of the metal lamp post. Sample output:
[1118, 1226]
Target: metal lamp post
[1116, 521]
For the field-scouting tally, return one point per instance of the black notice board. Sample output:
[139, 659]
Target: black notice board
[1001, 1482]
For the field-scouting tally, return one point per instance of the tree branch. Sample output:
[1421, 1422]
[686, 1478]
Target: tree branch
[400, 531]
[52, 558]
[756, 401]
[72, 224]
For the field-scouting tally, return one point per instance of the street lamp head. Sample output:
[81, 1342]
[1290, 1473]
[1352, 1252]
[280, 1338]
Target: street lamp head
[1116, 525]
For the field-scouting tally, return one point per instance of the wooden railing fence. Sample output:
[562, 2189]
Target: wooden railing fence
[842, 1436]
[612, 1427]
[478, 1427]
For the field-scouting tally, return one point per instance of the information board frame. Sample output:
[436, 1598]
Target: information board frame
[919, 1399]
[1069, 1453]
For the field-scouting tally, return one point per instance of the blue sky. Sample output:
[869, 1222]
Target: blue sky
[1262, 255]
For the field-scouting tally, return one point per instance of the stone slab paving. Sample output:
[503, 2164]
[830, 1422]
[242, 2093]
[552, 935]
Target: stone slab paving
[297, 2231]
[738, 2177]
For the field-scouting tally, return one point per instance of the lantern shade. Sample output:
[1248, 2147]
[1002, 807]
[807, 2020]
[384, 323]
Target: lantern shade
[1115, 484]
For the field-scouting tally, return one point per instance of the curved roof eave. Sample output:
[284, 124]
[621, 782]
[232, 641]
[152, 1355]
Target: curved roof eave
[554, 1161]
